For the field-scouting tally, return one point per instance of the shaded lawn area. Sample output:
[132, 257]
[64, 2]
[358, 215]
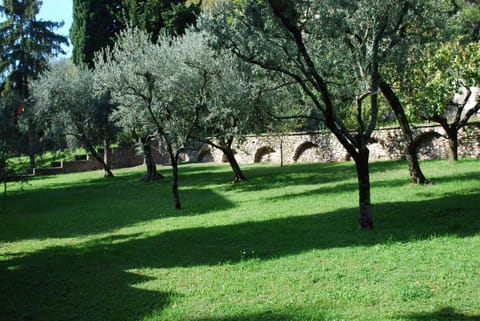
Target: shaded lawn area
[282, 246]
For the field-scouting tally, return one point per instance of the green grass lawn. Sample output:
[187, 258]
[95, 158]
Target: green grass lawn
[282, 246]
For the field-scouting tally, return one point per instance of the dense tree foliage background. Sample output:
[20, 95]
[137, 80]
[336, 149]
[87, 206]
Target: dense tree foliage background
[96, 23]
[26, 45]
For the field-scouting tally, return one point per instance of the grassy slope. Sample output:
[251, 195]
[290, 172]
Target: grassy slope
[283, 246]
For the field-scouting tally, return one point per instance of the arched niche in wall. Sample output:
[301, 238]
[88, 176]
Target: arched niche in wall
[377, 149]
[427, 146]
[261, 152]
[302, 148]
[426, 138]
[205, 156]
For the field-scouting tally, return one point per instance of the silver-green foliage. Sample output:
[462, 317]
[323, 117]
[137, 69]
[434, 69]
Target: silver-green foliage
[147, 83]
[179, 87]
[128, 72]
[66, 103]
[335, 50]
[344, 43]
[64, 99]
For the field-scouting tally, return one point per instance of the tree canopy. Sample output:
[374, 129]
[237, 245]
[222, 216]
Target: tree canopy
[142, 78]
[334, 50]
[66, 103]
[26, 45]
[95, 24]
[444, 87]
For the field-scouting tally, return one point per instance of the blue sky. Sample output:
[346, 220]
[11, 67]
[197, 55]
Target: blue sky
[58, 10]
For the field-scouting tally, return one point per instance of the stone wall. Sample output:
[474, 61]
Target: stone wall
[119, 158]
[81, 165]
[385, 144]
[125, 157]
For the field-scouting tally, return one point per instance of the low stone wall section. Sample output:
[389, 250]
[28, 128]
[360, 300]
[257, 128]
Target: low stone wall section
[314, 147]
[119, 158]
[385, 144]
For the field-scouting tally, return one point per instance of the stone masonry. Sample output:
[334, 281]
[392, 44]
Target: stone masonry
[321, 146]
[385, 144]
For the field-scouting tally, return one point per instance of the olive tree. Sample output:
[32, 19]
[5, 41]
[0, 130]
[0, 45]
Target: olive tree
[65, 102]
[432, 24]
[225, 92]
[181, 90]
[446, 88]
[334, 50]
[233, 95]
[428, 68]
[147, 81]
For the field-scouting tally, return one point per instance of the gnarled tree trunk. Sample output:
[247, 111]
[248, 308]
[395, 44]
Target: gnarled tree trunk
[96, 155]
[452, 134]
[152, 174]
[239, 176]
[226, 148]
[411, 147]
[107, 152]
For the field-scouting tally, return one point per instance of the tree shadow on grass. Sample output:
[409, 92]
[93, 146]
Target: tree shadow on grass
[396, 222]
[101, 205]
[263, 178]
[267, 177]
[444, 314]
[85, 210]
[96, 281]
[351, 187]
[72, 284]
[284, 315]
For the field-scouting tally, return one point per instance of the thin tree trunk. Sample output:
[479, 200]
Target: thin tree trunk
[411, 148]
[226, 148]
[176, 196]
[106, 168]
[174, 163]
[281, 153]
[32, 146]
[239, 176]
[106, 152]
[363, 175]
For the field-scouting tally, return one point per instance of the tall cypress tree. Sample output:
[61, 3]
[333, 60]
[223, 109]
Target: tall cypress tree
[154, 15]
[26, 44]
[96, 22]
